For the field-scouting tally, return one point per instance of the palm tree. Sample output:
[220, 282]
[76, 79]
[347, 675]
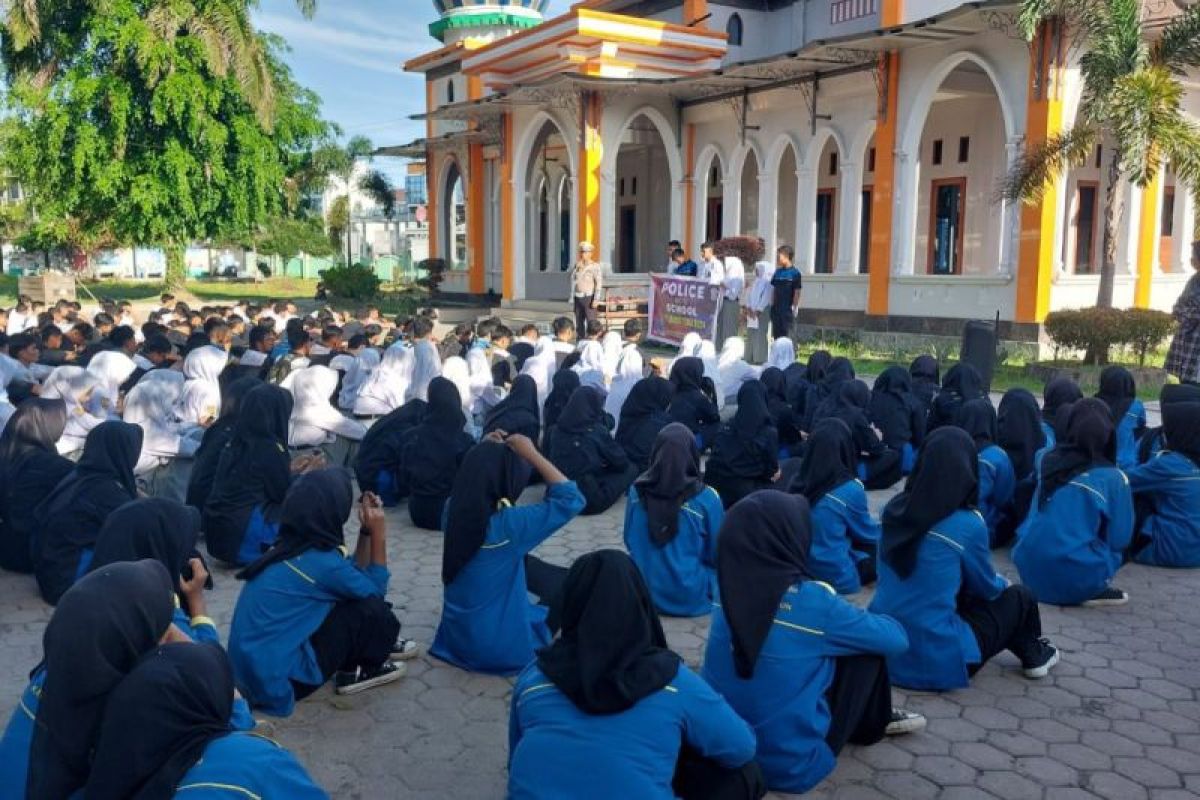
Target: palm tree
[1132, 103]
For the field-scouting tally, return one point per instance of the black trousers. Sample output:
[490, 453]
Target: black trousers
[860, 702]
[426, 511]
[585, 311]
[732, 489]
[544, 580]
[867, 572]
[699, 778]
[1014, 513]
[782, 323]
[355, 633]
[1011, 622]
[604, 489]
[884, 470]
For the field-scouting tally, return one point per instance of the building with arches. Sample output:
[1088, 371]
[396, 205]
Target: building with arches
[872, 135]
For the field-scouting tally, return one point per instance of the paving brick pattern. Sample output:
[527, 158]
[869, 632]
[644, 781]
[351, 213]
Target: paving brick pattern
[1119, 718]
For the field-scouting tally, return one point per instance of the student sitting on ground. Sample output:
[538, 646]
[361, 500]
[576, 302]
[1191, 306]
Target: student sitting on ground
[165, 464]
[845, 538]
[212, 444]
[432, 453]
[563, 385]
[70, 518]
[898, 414]
[822, 397]
[519, 412]
[671, 524]
[961, 385]
[801, 665]
[937, 580]
[309, 612]
[586, 453]
[783, 415]
[101, 627]
[488, 624]
[1074, 539]
[926, 380]
[168, 731]
[604, 711]
[1118, 390]
[1165, 489]
[996, 479]
[745, 451]
[643, 415]
[315, 423]
[379, 462]
[690, 404]
[879, 466]
[1058, 394]
[1019, 433]
[30, 468]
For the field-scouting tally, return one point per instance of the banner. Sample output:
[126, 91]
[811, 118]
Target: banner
[679, 306]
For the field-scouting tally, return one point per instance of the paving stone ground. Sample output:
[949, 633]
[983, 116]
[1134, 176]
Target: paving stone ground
[1119, 718]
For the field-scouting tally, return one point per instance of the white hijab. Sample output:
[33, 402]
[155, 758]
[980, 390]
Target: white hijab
[150, 405]
[541, 366]
[733, 368]
[612, 352]
[735, 278]
[455, 370]
[111, 369]
[484, 393]
[783, 353]
[314, 419]
[688, 348]
[428, 365]
[384, 389]
[74, 386]
[201, 396]
[708, 354]
[356, 376]
[759, 296]
[630, 368]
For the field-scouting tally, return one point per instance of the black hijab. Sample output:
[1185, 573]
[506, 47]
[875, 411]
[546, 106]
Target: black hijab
[30, 468]
[783, 413]
[611, 651]
[564, 384]
[978, 419]
[1171, 394]
[672, 479]
[891, 408]
[212, 443]
[583, 413]
[818, 363]
[643, 415]
[491, 477]
[35, 427]
[822, 399]
[110, 453]
[687, 374]
[176, 701]
[1181, 426]
[963, 381]
[1118, 390]
[517, 413]
[926, 378]
[521, 352]
[312, 517]
[101, 627]
[752, 414]
[762, 550]
[1019, 430]
[382, 446]
[150, 527]
[1089, 440]
[944, 480]
[830, 460]
[1058, 393]
[433, 449]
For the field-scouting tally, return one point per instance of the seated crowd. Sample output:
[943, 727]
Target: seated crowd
[259, 433]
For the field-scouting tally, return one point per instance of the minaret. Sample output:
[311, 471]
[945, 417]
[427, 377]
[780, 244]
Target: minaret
[484, 21]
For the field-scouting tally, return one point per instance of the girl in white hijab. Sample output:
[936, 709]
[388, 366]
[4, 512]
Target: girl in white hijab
[428, 365]
[783, 353]
[732, 286]
[612, 344]
[357, 374]
[455, 370]
[315, 422]
[111, 369]
[732, 367]
[541, 366]
[162, 469]
[591, 365]
[483, 390]
[688, 348]
[200, 402]
[708, 354]
[385, 388]
[630, 368]
[756, 302]
[74, 386]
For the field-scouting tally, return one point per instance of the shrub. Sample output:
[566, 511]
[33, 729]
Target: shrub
[1146, 330]
[355, 282]
[1095, 331]
[435, 273]
[750, 249]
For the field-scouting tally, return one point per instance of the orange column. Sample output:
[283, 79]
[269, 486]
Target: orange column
[475, 197]
[689, 193]
[591, 152]
[890, 15]
[1035, 265]
[507, 207]
[1148, 233]
[880, 253]
[433, 213]
[694, 10]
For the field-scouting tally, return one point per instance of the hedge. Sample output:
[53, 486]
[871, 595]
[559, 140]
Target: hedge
[1095, 331]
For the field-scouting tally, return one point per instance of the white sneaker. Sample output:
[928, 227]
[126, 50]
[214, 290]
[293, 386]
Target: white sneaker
[1048, 659]
[1109, 596]
[404, 650]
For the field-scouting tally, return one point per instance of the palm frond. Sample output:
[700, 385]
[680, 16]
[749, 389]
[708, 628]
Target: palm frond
[307, 7]
[1181, 143]
[1147, 105]
[23, 23]
[1034, 172]
[1179, 46]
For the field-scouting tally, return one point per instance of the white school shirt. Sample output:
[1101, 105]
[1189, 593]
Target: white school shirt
[712, 271]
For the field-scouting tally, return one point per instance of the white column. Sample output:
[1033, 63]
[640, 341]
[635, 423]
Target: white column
[849, 217]
[731, 206]
[1010, 224]
[806, 218]
[1128, 226]
[904, 213]
[768, 211]
[1184, 230]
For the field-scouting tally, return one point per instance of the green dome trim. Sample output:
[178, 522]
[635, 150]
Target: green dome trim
[482, 19]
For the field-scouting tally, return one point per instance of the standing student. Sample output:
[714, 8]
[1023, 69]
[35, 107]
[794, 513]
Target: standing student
[1019, 433]
[997, 481]
[104, 624]
[1118, 390]
[379, 462]
[586, 285]
[30, 468]
[488, 624]
[805, 668]
[1168, 533]
[961, 385]
[745, 451]
[926, 380]
[241, 515]
[690, 404]
[69, 519]
[1073, 540]
[605, 709]
[785, 293]
[898, 414]
[643, 415]
[710, 268]
[937, 580]
[208, 455]
[733, 285]
[1183, 358]
[309, 613]
[432, 453]
[1058, 394]
[519, 412]
[671, 524]
[845, 538]
[587, 454]
[168, 732]
[757, 301]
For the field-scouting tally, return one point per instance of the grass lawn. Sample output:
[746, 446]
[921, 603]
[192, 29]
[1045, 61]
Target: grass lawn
[208, 291]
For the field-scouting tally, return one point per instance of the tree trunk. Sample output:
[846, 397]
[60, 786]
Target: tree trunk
[1112, 216]
[176, 274]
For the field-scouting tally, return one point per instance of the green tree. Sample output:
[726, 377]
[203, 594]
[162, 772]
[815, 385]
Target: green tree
[342, 165]
[133, 122]
[379, 188]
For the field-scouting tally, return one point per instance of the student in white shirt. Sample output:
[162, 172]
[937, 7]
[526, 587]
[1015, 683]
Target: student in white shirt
[711, 268]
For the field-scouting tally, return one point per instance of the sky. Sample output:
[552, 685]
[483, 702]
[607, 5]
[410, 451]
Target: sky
[351, 54]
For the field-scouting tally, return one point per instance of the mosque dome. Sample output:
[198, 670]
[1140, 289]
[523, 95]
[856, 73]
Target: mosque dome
[484, 19]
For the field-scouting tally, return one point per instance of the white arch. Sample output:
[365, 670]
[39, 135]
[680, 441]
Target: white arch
[708, 156]
[778, 148]
[816, 145]
[444, 198]
[806, 198]
[921, 102]
[772, 183]
[523, 250]
[732, 221]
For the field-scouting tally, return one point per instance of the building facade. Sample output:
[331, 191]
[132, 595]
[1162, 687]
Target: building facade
[872, 135]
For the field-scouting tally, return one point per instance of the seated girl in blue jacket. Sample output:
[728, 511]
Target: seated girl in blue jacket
[936, 577]
[997, 481]
[1020, 434]
[844, 536]
[168, 732]
[804, 667]
[1168, 486]
[605, 710]
[1118, 390]
[671, 524]
[1059, 393]
[488, 623]
[308, 613]
[1074, 539]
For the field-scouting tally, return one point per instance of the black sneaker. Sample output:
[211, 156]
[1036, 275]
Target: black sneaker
[904, 722]
[1110, 596]
[360, 680]
[404, 650]
[1040, 665]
